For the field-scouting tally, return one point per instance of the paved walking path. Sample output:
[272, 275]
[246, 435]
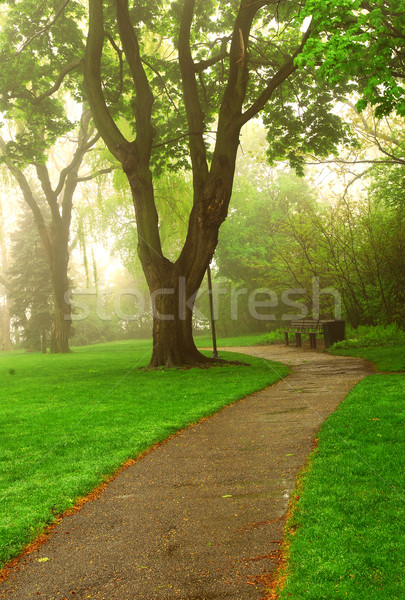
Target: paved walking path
[200, 517]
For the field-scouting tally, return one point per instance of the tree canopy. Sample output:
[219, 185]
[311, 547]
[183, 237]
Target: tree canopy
[171, 84]
[363, 42]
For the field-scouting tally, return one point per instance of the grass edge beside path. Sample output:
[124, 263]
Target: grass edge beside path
[390, 359]
[71, 421]
[343, 536]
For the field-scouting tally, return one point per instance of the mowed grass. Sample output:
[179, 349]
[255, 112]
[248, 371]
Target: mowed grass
[205, 341]
[346, 533]
[69, 421]
[387, 358]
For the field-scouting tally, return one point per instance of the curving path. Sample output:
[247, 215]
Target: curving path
[201, 516]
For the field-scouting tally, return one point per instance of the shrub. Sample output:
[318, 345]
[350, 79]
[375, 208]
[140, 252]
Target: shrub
[272, 337]
[366, 337]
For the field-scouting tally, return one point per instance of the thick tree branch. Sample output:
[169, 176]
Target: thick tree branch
[50, 195]
[238, 61]
[144, 98]
[29, 199]
[137, 161]
[195, 117]
[119, 53]
[92, 80]
[212, 192]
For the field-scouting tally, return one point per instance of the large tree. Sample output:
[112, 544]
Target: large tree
[199, 62]
[45, 134]
[49, 193]
[185, 76]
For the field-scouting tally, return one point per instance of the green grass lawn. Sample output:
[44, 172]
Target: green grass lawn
[346, 534]
[205, 341]
[386, 358]
[69, 421]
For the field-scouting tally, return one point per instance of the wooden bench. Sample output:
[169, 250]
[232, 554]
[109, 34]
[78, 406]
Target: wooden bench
[309, 326]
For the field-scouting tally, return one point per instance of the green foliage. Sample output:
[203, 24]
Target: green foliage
[363, 43]
[367, 337]
[37, 42]
[30, 285]
[69, 421]
[387, 185]
[245, 252]
[272, 337]
[300, 121]
[279, 236]
[270, 238]
[346, 537]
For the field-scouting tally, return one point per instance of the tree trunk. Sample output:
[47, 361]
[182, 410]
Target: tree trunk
[60, 332]
[174, 286]
[173, 296]
[61, 323]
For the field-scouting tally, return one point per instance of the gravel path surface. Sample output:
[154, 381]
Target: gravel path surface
[201, 516]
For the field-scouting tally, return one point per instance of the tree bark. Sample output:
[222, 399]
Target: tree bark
[173, 295]
[60, 332]
[61, 324]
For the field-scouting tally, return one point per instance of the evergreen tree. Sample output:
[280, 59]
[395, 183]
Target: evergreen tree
[30, 284]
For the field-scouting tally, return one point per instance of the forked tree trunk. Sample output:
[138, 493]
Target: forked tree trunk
[173, 286]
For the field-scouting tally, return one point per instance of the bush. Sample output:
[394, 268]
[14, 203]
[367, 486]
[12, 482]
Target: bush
[272, 337]
[367, 337]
